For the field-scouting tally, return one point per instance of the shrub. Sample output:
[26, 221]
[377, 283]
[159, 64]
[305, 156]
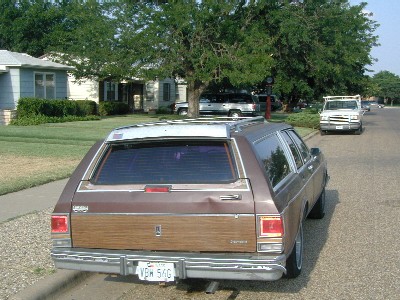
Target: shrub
[164, 110]
[108, 108]
[86, 107]
[30, 107]
[308, 119]
[41, 119]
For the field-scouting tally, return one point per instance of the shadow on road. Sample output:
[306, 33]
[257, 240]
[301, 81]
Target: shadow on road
[315, 237]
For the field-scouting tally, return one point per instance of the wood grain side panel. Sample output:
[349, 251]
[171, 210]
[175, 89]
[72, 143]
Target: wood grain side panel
[178, 233]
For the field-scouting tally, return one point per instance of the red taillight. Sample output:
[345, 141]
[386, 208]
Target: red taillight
[157, 189]
[271, 226]
[59, 224]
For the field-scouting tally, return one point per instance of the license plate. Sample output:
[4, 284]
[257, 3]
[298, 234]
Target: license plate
[155, 271]
[339, 127]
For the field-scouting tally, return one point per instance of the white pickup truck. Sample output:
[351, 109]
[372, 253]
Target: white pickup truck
[341, 113]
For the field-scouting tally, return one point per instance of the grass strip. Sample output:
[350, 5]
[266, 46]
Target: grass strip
[34, 155]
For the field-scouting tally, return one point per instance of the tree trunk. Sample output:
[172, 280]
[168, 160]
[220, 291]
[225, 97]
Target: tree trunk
[195, 89]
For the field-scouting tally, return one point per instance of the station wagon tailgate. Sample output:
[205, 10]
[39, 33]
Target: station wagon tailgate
[174, 196]
[164, 222]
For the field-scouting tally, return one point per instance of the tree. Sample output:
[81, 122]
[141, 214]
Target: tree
[27, 25]
[201, 42]
[320, 47]
[389, 85]
[87, 39]
[312, 48]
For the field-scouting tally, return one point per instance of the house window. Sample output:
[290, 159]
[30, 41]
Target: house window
[166, 91]
[110, 91]
[45, 85]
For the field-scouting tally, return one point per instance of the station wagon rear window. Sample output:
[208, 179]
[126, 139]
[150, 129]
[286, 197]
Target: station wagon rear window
[167, 162]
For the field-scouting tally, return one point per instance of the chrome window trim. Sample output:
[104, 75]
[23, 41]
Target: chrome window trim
[235, 216]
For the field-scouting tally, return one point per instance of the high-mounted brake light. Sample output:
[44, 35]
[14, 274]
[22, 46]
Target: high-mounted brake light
[157, 189]
[59, 224]
[271, 226]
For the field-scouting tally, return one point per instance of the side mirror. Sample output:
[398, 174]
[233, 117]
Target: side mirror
[315, 152]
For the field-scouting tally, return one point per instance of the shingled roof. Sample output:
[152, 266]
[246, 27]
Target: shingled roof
[15, 59]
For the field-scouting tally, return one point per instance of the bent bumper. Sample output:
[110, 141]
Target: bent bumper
[187, 265]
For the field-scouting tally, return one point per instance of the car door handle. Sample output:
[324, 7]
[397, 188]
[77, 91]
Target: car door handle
[231, 197]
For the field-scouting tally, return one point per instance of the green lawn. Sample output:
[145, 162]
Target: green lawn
[34, 155]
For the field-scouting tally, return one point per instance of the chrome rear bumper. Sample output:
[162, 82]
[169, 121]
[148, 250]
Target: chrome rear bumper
[187, 265]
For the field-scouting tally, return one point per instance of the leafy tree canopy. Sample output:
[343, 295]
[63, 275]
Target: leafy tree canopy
[321, 47]
[388, 85]
[26, 26]
[201, 42]
[312, 49]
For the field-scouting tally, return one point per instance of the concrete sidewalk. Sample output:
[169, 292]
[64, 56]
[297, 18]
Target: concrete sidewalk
[30, 200]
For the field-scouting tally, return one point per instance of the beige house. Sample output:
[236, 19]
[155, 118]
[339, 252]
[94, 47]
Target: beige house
[145, 96]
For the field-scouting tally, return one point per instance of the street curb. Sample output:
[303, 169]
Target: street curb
[310, 135]
[47, 288]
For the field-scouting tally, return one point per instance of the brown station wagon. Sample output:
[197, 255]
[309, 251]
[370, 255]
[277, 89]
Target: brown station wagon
[212, 198]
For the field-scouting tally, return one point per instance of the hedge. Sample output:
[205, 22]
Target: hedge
[308, 118]
[113, 108]
[41, 119]
[88, 107]
[30, 107]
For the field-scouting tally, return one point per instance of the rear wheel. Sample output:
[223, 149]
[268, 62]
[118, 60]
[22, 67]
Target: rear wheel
[183, 112]
[322, 132]
[294, 262]
[235, 114]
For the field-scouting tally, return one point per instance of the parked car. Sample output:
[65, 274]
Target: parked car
[227, 104]
[365, 106]
[201, 198]
[275, 103]
[302, 104]
[379, 105]
[341, 113]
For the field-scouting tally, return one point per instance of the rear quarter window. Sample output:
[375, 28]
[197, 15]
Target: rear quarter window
[166, 163]
[305, 152]
[271, 152]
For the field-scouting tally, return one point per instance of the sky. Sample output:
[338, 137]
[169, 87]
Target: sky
[387, 14]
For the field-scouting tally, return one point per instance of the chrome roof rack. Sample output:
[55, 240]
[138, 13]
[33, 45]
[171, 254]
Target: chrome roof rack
[208, 127]
[356, 97]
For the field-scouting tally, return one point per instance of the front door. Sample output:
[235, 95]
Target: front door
[132, 93]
